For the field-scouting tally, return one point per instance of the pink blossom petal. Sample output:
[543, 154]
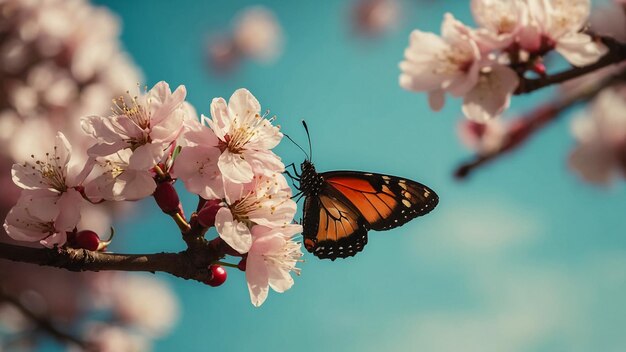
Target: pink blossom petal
[257, 277]
[168, 101]
[204, 137]
[235, 168]
[70, 204]
[197, 168]
[99, 128]
[242, 106]
[233, 232]
[593, 162]
[146, 156]
[579, 49]
[220, 123]
[436, 99]
[57, 239]
[492, 95]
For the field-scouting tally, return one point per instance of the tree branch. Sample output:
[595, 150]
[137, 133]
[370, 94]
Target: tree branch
[189, 265]
[43, 323]
[520, 130]
[616, 54]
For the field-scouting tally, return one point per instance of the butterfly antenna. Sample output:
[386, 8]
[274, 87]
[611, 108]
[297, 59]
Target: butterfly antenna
[297, 145]
[308, 136]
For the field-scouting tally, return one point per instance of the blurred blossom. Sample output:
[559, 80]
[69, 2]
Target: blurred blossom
[610, 20]
[256, 35]
[484, 138]
[600, 155]
[144, 302]
[59, 61]
[374, 17]
[111, 338]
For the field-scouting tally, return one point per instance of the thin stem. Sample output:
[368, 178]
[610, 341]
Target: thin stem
[226, 264]
[616, 54]
[525, 127]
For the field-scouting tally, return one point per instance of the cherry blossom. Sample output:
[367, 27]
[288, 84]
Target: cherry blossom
[434, 64]
[264, 201]
[147, 125]
[601, 151]
[271, 259]
[118, 179]
[557, 24]
[52, 171]
[499, 20]
[244, 137]
[42, 216]
[257, 34]
[484, 138]
[197, 164]
[492, 93]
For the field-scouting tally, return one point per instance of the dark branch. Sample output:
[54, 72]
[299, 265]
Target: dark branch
[520, 130]
[616, 54]
[189, 265]
[43, 323]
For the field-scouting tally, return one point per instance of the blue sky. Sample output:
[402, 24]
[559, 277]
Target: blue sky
[523, 256]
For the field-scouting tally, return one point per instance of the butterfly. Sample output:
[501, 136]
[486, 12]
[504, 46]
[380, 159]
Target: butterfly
[340, 207]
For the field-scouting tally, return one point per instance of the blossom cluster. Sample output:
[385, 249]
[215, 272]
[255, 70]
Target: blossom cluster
[147, 142]
[484, 65]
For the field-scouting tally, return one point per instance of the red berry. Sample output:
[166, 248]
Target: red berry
[218, 275]
[87, 239]
[206, 215]
[167, 197]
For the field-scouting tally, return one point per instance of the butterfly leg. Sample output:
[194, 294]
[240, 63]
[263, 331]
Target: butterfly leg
[292, 177]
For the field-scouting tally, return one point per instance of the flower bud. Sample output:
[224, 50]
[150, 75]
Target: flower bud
[86, 239]
[242, 264]
[218, 275]
[167, 198]
[539, 68]
[206, 215]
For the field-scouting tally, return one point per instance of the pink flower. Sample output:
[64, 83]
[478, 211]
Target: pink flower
[491, 95]
[244, 137]
[197, 167]
[601, 151]
[147, 125]
[434, 64]
[42, 216]
[265, 201]
[500, 22]
[483, 138]
[373, 17]
[271, 259]
[118, 179]
[257, 34]
[558, 23]
[50, 171]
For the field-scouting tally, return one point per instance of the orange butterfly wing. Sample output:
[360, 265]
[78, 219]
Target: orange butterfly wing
[385, 201]
[332, 226]
[350, 203]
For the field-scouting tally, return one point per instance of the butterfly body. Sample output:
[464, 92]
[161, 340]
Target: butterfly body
[341, 206]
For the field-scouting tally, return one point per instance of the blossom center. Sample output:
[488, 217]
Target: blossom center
[51, 171]
[286, 257]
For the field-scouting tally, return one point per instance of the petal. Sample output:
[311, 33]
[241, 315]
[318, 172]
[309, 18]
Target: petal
[235, 168]
[99, 128]
[204, 137]
[593, 162]
[221, 120]
[57, 239]
[146, 156]
[257, 278]
[492, 95]
[242, 106]
[233, 232]
[70, 204]
[167, 103]
[197, 168]
[579, 50]
[436, 99]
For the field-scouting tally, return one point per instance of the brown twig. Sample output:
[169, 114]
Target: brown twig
[523, 128]
[43, 323]
[616, 54]
[189, 264]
